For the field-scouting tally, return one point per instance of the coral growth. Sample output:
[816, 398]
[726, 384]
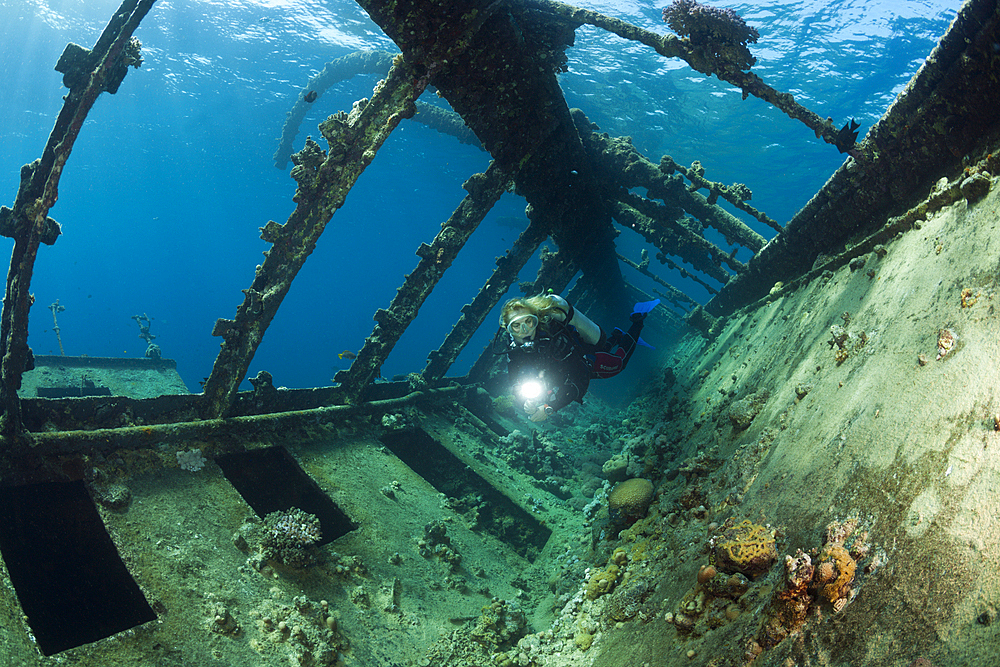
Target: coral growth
[946, 342]
[437, 543]
[500, 625]
[747, 548]
[790, 604]
[601, 582]
[627, 601]
[845, 341]
[721, 32]
[830, 579]
[628, 502]
[288, 537]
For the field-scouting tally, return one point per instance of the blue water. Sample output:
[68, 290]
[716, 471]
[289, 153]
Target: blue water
[171, 178]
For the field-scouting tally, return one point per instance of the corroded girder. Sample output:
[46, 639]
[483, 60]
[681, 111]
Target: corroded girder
[504, 85]
[324, 179]
[87, 73]
[473, 314]
[673, 295]
[620, 165]
[930, 131]
[702, 61]
[656, 225]
[735, 194]
[484, 191]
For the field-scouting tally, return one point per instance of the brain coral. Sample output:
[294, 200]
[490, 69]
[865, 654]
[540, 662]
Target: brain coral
[747, 548]
[628, 502]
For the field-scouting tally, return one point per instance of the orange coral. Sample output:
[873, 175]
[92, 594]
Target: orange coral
[834, 557]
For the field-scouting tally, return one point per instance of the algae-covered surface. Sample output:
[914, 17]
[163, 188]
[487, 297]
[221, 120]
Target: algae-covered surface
[67, 376]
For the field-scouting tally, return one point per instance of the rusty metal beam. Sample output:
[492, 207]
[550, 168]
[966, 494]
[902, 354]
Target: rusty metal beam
[484, 191]
[473, 314]
[673, 295]
[324, 179]
[87, 74]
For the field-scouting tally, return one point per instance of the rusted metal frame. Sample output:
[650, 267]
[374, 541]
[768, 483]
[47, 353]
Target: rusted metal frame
[341, 69]
[555, 273]
[484, 191]
[215, 436]
[28, 222]
[654, 223]
[324, 179]
[702, 61]
[732, 194]
[630, 169]
[671, 264]
[673, 295]
[473, 314]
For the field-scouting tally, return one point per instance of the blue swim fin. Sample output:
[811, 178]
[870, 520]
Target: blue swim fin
[644, 343]
[645, 306]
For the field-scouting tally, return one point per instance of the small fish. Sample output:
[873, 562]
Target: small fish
[311, 96]
[347, 354]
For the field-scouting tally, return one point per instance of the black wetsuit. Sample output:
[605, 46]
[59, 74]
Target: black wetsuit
[559, 359]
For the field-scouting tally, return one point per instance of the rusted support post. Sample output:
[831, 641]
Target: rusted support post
[360, 62]
[736, 194]
[87, 73]
[622, 166]
[554, 273]
[484, 191]
[673, 295]
[324, 179]
[702, 61]
[473, 314]
[657, 225]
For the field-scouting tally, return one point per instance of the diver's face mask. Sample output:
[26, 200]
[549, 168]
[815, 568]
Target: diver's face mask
[522, 326]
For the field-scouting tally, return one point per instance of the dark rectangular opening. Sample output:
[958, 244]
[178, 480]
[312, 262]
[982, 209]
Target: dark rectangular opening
[70, 580]
[72, 392]
[271, 480]
[498, 515]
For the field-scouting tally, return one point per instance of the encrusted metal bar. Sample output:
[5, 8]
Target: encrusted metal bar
[87, 73]
[484, 191]
[622, 166]
[657, 226]
[473, 314]
[324, 179]
[219, 435]
[736, 194]
[703, 61]
[673, 295]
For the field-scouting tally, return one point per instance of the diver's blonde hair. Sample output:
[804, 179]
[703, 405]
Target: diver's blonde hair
[546, 307]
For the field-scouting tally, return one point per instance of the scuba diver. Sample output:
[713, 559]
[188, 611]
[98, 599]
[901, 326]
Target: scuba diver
[553, 351]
